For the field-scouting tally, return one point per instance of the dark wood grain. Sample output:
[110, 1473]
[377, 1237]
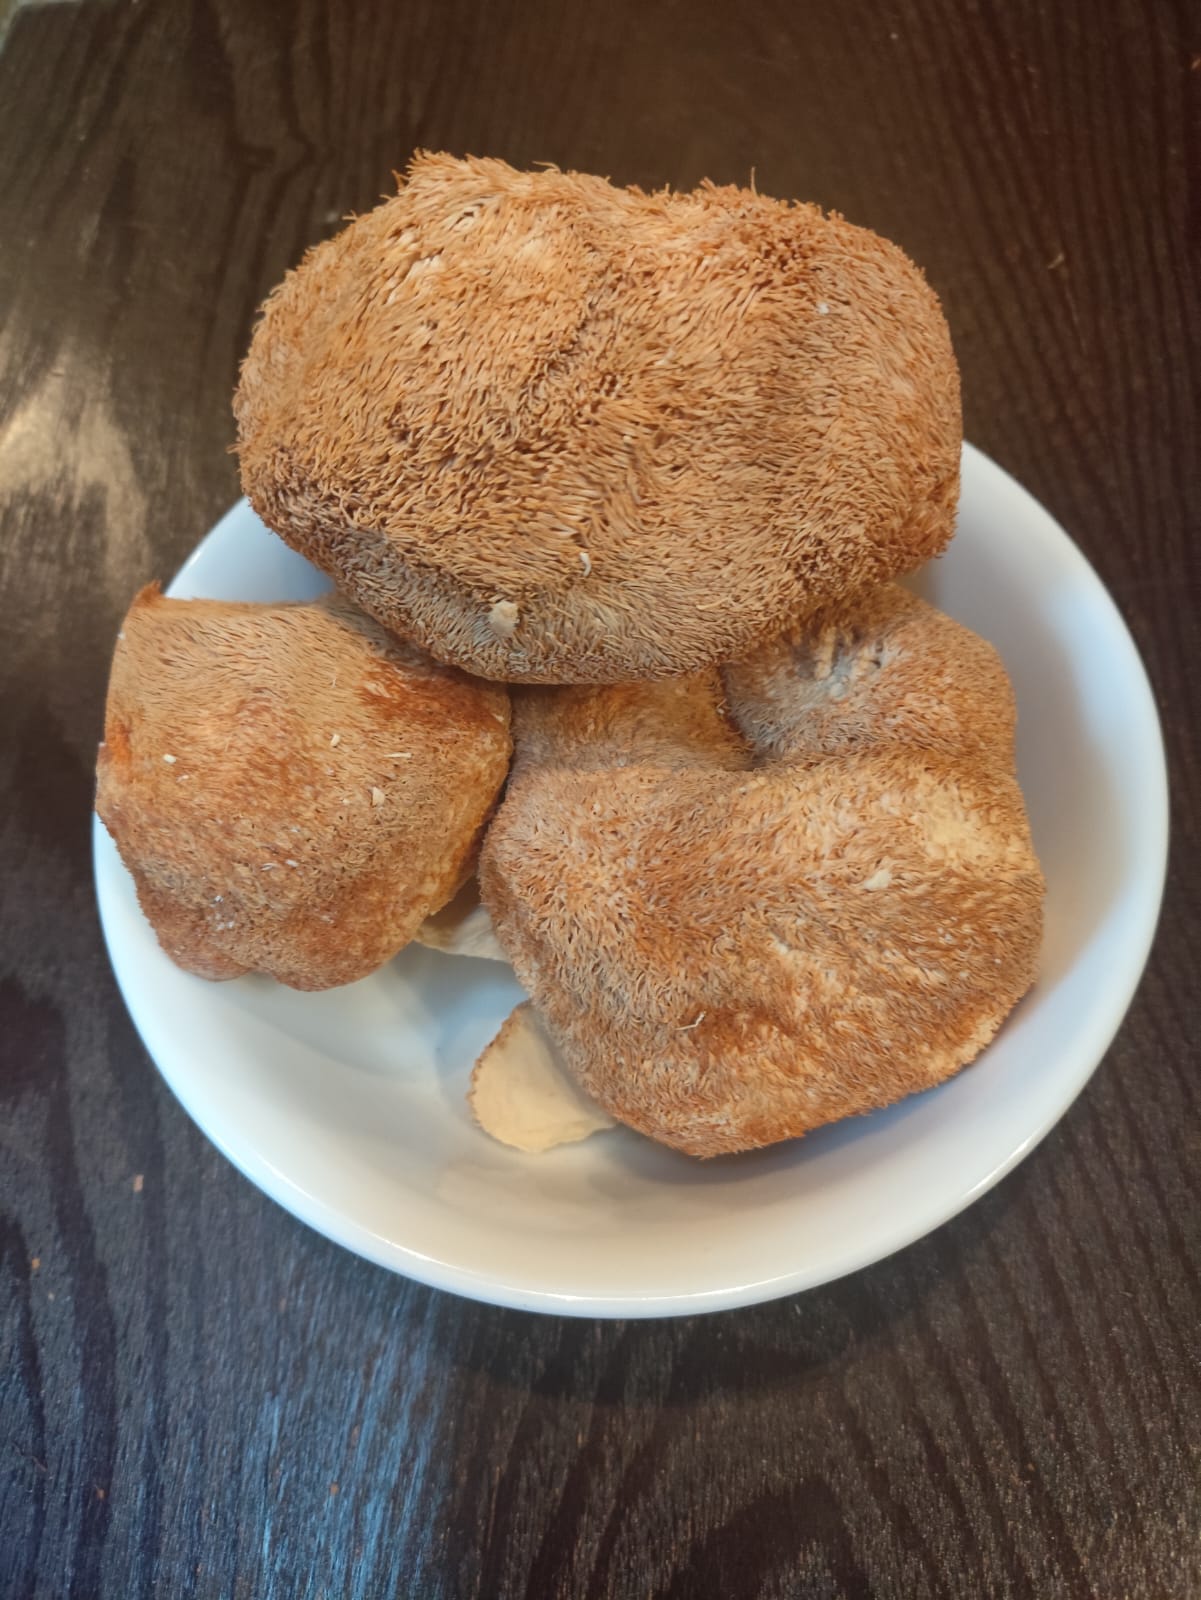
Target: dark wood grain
[198, 1396]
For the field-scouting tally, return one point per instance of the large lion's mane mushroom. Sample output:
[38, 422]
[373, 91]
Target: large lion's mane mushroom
[744, 915]
[558, 431]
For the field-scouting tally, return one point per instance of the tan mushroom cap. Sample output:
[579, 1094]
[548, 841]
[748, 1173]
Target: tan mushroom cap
[558, 431]
[292, 790]
[462, 927]
[523, 1095]
[743, 915]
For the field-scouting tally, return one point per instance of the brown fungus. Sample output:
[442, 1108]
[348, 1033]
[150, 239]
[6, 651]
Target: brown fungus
[737, 928]
[660, 426]
[308, 854]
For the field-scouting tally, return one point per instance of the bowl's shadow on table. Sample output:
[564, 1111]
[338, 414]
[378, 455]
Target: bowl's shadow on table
[775, 1347]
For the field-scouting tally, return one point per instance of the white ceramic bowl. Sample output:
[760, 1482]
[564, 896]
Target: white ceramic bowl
[348, 1107]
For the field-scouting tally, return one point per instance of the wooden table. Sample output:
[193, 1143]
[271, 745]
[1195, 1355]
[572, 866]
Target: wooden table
[200, 1397]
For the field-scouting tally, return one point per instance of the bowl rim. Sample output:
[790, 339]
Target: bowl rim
[1087, 1049]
